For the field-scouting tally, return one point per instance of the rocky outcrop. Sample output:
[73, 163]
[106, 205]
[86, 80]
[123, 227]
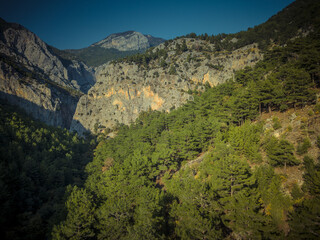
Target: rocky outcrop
[201, 64]
[46, 102]
[125, 89]
[129, 41]
[123, 93]
[24, 47]
[33, 77]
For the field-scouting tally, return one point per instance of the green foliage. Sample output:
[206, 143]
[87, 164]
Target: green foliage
[186, 174]
[303, 146]
[80, 218]
[246, 140]
[317, 108]
[283, 107]
[274, 202]
[191, 211]
[172, 70]
[278, 29]
[280, 152]
[304, 221]
[94, 56]
[296, 192]
[156, 74]
[232, 185]
[276, 123]
[37, 163]
[163, 63]
[318, 141]
[216, 67]
[311, 176]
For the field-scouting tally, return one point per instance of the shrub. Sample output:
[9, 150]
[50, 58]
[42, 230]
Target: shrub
[303, 146]
[317, 108]
[310, 113]
[172, 70]
[284, 107]
[276, 123]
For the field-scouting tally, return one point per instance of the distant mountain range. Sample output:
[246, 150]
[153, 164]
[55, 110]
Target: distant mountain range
[113, 47]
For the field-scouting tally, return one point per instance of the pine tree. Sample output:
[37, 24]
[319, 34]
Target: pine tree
[305, 221]
[194, 212]
[233, 185]
[80, 218]
[297, 85]
[311, 176]
[280, 152]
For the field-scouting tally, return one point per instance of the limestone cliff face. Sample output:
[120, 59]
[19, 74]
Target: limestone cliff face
[129, 41]
[221, 67]
[126, 88]
[201, 63]
[33, 77]
[45, 102]
[122, 92]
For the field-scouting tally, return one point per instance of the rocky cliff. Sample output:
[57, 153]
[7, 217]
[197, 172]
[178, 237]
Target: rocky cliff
[33, 77]
[162, 79]
[47, 102]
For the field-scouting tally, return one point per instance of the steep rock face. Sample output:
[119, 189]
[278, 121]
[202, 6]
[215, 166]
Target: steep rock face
[126, 88]
[128, 41]
[24, 47]
[33, 77]
[202, 64]
[124, 92]
[45, 102]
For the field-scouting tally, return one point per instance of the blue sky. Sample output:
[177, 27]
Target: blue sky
[79, 23]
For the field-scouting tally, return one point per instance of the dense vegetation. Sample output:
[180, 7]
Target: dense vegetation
[294, 20]
[37, 164]
[207, 170]
[199, 171]
[95, 56]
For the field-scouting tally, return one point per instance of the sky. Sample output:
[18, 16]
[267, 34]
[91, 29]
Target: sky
[74, 24]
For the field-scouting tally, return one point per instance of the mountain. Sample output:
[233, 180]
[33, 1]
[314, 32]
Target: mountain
[296, 20]
[164, 77]
[239, 160]
[214, 137]
[129, 41]
[34, 77]
[115, 46]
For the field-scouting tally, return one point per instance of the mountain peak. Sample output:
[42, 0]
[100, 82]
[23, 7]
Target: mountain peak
[128, 41]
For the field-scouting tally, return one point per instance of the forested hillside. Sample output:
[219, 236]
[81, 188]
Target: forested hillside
[239, 160]
[213, 169]
[38, 162]
[296, 20]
